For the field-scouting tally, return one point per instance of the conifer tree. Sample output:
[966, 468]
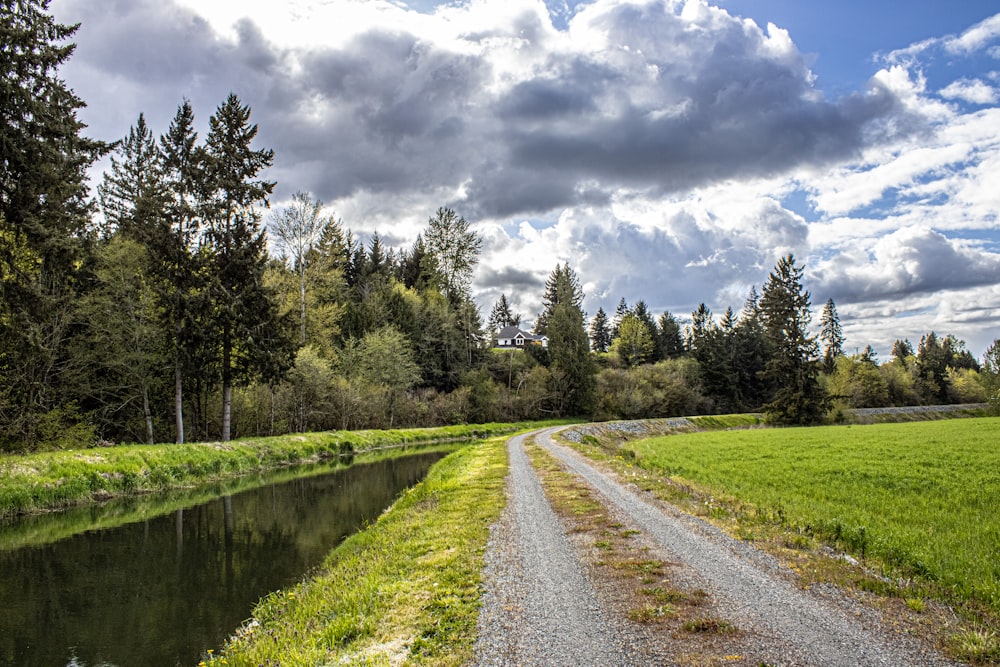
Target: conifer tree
[792, 369]
[173, 248]
[669, 341]
[250, 338]
[572, 370]
[132, 193]
[600, 335]
[44, 213]
[502, 316]
[831, 334]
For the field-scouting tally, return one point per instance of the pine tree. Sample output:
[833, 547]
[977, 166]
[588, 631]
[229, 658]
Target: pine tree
[572, 370]
[620, 312]
[641, 312]
[173, 248]
[249, 336]
[600, 335]
[502, 316]
[44, 213]
[669, 342]
[831, 334]
[132, 193]
[792, 370]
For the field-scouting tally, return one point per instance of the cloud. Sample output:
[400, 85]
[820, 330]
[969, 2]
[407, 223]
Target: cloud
[668, 150]
[906, 262]
[975, 91]
[647, 96]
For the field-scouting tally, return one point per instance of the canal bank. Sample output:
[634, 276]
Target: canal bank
[48, 481]
[407, 586]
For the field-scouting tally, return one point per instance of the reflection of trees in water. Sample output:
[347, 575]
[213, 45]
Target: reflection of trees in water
[159, 591]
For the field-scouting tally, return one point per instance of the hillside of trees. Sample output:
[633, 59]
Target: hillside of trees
[172, 304]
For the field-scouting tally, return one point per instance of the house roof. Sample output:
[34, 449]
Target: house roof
[509, 332]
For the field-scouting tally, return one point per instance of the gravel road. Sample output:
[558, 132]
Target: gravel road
[539, 607]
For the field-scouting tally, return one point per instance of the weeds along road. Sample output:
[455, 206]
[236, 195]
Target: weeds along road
[547, 603]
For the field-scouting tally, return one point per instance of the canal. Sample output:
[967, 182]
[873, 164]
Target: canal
[162, 590]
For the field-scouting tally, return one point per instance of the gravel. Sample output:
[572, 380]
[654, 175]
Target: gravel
[540, 609]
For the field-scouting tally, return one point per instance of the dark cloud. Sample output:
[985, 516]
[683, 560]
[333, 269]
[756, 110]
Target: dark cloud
[661, 107]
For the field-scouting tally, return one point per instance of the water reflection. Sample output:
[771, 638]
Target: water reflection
[161, 591]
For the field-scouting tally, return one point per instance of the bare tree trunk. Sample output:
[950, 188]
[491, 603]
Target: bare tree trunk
[147, 413]
[178, 398]
[227, 382]
[302, 295]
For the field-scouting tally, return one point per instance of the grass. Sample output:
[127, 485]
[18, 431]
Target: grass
[54, 480]
[403, 591]
[921, 499]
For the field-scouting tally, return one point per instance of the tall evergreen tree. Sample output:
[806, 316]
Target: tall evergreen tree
[831, 334]
[44, 212]
[573, 372]
[173, 251]
[641, 312]
[502, 316]
[669, 341]
[250, 340]
[132, 193]
[792, 369]
[620, 312]
[600, 334]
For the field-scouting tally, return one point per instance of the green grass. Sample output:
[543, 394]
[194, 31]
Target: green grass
[921, 499]
[53, 480]
[403, 591]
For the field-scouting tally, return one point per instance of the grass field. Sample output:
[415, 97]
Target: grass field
[921, 499]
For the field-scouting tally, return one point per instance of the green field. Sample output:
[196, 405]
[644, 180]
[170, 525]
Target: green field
[919, 498]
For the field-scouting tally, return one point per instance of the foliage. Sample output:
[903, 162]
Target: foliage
[634, 344]
[831, 334]
[572, 370]
[600, 334]
[666, 389]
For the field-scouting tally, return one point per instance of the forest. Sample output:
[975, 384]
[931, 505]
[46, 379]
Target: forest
[171, 303]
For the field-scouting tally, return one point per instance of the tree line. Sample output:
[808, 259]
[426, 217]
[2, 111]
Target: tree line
[176, 305]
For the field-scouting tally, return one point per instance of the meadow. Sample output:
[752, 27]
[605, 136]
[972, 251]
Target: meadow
[920, 500]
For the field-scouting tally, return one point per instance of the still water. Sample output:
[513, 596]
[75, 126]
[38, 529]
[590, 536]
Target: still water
[163, 590]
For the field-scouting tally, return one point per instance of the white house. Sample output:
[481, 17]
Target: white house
[513, 337]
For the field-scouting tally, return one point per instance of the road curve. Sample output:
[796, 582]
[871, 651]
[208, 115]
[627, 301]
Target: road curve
[540, 609]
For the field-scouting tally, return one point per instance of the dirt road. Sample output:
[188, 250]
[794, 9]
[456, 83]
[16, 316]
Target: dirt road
[544, 605]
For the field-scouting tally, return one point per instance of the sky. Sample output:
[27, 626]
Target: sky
[670, 151]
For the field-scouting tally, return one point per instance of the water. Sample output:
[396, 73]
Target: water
[161, 591]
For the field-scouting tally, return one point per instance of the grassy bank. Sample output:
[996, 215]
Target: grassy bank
[405, 590]
[53, 480]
